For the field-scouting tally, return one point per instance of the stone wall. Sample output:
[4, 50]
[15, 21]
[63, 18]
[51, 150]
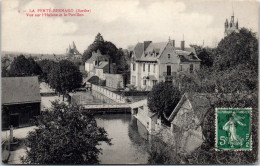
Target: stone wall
[115, 81]
[116, 97]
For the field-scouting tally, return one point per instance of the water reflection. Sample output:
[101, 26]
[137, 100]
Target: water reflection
[128, 138]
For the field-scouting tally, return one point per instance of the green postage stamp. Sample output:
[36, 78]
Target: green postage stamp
[233, 129]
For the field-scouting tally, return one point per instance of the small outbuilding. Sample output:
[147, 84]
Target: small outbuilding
[187, 118]
[21, 101]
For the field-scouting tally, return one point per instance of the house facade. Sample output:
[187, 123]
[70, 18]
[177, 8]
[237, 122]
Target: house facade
[94, 60]
[21, 101]
[157, 62]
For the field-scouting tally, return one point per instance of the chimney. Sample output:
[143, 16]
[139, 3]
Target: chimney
[146, 44]
[182, 45]
[173, 43]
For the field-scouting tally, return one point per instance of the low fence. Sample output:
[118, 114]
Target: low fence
[116, 97]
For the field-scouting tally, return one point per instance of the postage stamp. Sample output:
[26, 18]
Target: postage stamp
[233, 129]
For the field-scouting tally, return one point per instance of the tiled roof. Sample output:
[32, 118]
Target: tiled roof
[201, 103]
[20, 90]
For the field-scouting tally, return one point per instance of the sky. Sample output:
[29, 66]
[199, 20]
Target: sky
[123, 22]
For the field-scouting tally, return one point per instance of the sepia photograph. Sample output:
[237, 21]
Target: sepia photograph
[151, 82]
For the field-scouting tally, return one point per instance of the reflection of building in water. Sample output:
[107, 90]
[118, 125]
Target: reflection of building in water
[137, 131]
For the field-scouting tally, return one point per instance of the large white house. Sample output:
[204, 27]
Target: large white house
[156, 62]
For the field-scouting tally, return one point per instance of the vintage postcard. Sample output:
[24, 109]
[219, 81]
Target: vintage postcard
[129, 82]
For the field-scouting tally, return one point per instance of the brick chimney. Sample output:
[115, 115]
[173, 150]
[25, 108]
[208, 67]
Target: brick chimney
[146, 44]
[183, 45]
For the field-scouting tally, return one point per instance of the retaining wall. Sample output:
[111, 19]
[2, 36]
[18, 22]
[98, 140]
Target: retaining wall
[116, 97]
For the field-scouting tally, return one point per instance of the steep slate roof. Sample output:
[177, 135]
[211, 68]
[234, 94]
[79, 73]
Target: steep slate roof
[17, 90]
[97, 55]
[156, 48]
[187, 49]
[186, 55]
[200, 102]
[139, 49]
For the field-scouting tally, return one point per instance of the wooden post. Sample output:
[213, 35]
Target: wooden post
[11, 134]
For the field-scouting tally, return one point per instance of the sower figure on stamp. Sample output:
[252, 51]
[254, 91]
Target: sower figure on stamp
[230, 126]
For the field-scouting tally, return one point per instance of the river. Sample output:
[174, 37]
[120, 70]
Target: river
[129, 139]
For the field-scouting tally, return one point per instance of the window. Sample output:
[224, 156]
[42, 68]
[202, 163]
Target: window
[144, 67]
[144, 82]
[169, 56]
[191, 68]
[180, 67]
[169, 70]
[154, 82]
[148, 67]
[154, 68]
[133, 66]
[133, 80]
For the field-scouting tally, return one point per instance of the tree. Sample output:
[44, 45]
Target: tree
[163, 98]
[105, 47]
[64, 135]
[5, 72]
[5, 64]
[205, 54]
[237, 48]
[65, 77]
[46, 67]
[22, 66]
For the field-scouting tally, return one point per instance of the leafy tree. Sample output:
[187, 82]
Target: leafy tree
[121, 61]
[206, 154]
[46, 66]
[5, 64]
[22, 66]
[205, 54]
[163, 98]
[65, 77]
[53, 78]
[99, 38]
[105, 47]
[235, 79]
[5, 72]
[64, 135]
[237, 48]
